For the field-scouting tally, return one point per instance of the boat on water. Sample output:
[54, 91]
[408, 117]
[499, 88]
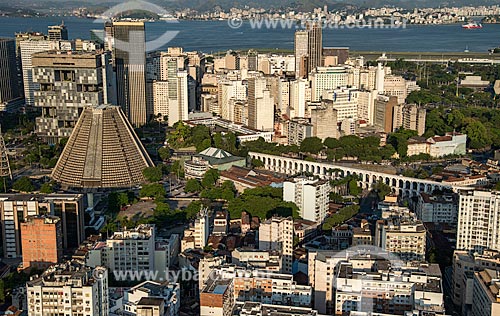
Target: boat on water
[472, 25]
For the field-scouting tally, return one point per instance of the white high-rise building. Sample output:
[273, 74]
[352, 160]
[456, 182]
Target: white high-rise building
[362, 284]
[367, 78]
[277, 234]
[366, 105]
[300, 50]
[297, 106]
[380, 78]
[230, 90]
[311, 196]
[345, 101]
[170, 98]
[130, 250]
[478, 220]
[396, 86]
[201, 229]
[69, 288]
[170, 89]
[260, 105]
[283, 95]
[327, 78]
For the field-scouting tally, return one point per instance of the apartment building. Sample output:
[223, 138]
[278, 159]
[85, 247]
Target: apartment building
[311, 196]
[152, 299]
[321, 270]
[229, 284]
[403, 234]
[465, 264]
[486, 299]
[437, 208]
[127, 250]
[276, 234]
[344, 100]
[70, 288]
[478, 220]
[269, 260]
[365, 284]
[259, 309]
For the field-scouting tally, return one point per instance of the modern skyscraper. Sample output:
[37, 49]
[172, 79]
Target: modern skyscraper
[20, 37]
[260, 105]
[253, 60]
[314, 45]
[28, 48]
[58, 32]
[10, 93]
[103, 151]
[42, 243]
[384, 112]
[68, 83]
[301, 53]
[129, 55]
[170, 92]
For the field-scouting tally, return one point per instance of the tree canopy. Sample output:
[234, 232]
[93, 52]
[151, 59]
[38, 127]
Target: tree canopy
[153, 190]
[263, 202]
[153, 174]
[23, 184]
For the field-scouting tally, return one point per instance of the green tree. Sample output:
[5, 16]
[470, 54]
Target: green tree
[256, 163]
[477, 134]
[399, 140]
[179, 137]
[123, 198]
[311, 145]
[153, 190]
[193, 185]
[153, 174]
[162, 212]
[382, 190]
[332, 143]
[192, 209]
[210, 178]
[24, 184]
[262, 202]
[164, 153]
[206, 143]
[46, 188]
[177, 168]
[109, 228]
[354, 189]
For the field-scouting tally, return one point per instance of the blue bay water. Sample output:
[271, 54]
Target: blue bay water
[213, 36]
